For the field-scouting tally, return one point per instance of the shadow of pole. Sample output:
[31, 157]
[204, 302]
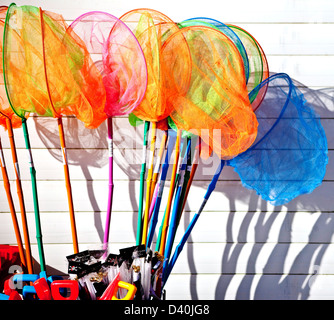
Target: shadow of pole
[275, 282]
[232, 252]
[262, 229]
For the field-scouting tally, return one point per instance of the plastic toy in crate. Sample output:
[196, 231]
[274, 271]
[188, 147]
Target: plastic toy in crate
[124, 276]
[128, 275]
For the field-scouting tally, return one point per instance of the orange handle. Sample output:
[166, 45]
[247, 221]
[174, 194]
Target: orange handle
[11, 207]
[62, 143]
[20, 196]
[68, 186]
[170, 195]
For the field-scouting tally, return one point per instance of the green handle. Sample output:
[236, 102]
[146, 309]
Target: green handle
[157, 245]
[27, 143]
[34, 191]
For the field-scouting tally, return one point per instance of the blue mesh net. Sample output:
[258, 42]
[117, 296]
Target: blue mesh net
[289, 155]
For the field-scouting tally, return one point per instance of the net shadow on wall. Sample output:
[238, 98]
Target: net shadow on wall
[88, 148]
[303, 268]
[85, 148]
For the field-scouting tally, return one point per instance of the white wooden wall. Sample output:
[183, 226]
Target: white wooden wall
[241, 247]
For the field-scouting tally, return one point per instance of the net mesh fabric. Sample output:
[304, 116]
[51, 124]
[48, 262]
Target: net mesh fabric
[208, 22]
[6, 111]
[119, 57]
[289, 156]
[75, 83]
[258, 64]
[224, 29]
[23, 62]
[213, 103]
[48, 70]
[151, 28]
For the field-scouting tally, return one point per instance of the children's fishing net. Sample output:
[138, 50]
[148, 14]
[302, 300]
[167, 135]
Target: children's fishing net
[48, 69]
[258, 64]
[224, 29]
[289, 156]
[151, 28]
[119, 57]
[6, 111]
[212, 101]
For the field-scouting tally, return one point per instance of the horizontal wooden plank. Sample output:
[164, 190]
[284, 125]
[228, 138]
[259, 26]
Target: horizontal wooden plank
[212, 227]
[222, 259]
[228, 195]
[250, 287]
[292, 38]
[238, 258]
[43, 132]
[288, 39]
[312, 70]
[285, 11]
[309, 70]
[126, 166]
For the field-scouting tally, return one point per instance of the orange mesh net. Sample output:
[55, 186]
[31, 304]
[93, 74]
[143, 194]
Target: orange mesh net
[215, 105]
[48, 69]
[75, 83]
[258, 64]
[6, 111]
[151, 28]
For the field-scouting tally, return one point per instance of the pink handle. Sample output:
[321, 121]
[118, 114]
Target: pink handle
[111, 182]
[154, 199]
